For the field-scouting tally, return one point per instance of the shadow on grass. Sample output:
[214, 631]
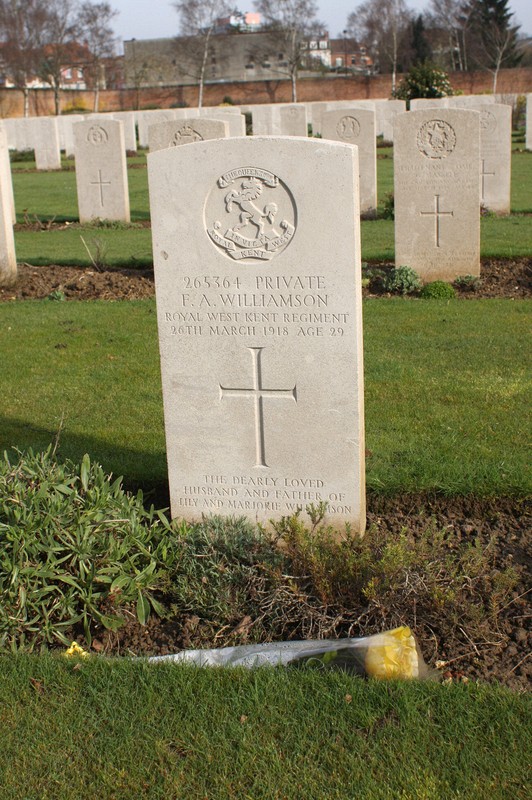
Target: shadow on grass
[139, 469]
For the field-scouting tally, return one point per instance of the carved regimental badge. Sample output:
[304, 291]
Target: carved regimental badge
[436, 139]
[97, 135]
[348, 128]
[185, 135]
[250, 215]
[488, 121]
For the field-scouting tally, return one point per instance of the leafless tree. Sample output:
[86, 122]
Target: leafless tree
[60, 48]
[22, 34]
[197, 20]
[382, 25]
[94, 20]
[494, 37]
[290, 23]
[454, 18]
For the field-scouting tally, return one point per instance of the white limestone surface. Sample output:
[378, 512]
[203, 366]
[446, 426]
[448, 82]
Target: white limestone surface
[436, 189]
[260, 327]
[356, 126]
[185, 131]
[101, 173]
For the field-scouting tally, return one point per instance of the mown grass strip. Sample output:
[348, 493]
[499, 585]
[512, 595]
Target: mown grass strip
[127, 729]
[447, 390]
[53, 194]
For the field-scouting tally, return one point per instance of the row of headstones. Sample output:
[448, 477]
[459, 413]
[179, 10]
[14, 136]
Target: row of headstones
[47, 136]
[351, 125]
[102, 185]
[257, 256]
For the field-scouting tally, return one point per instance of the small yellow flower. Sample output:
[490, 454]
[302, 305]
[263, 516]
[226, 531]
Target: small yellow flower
[75, 651]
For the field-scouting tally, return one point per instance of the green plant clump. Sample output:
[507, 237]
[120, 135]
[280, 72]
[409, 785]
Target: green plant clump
[437, 290]
[388, 206]
[74, 548]
[467, 283]
[402, 280]
[424, 80]
[22, 155]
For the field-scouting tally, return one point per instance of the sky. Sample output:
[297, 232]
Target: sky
[155, 19]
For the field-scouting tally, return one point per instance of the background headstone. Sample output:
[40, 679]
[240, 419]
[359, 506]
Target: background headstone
[495, 156]
[293, 120]
[264, 120]
[260, 326]
[236, 123]
[353, 125]
[5, 174]
[386, 113]
[420, 103]
[46, 142]
[185, 131]
[127, 118]
[495, 149]
[8, 260]
[101, 172]
[66, 124]
[436, 190]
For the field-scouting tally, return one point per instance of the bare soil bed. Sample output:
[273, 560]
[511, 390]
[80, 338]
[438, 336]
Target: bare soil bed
[499, 278]
[498, 651]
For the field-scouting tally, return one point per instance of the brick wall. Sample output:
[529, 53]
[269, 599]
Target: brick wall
[510, 81]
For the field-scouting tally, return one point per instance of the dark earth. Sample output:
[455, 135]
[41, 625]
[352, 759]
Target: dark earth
[504, 652]
[499, 278]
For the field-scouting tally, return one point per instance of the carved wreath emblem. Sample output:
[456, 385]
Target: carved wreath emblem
[436, 139]
[250, 215]
[348, 128]
[488, 121]
[97, 135]
[186, 135]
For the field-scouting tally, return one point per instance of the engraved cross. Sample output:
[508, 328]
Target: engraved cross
[101, 184]
[258, 393]
[483, 175]
[437, 213]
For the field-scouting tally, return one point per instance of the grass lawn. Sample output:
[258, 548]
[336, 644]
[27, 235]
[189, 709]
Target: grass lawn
[53, 194]
[447, 388]
[119, 730]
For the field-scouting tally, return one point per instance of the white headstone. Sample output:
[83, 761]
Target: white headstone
[264, 121]
[320, 108]
[8, 260]
[5, 173]
[495, 157]
[46, 139]
[352, 125]
[150, 117]
[436, 188]
[420, 103]
[127, 118]
[260, 326]
[185, 131]
[386, 112]
[293, 120]
[101, 172]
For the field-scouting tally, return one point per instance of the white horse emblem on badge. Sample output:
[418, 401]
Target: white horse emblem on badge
[255, 219]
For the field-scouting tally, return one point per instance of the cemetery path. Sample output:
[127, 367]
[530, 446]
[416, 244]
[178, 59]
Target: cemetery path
[499, 278]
